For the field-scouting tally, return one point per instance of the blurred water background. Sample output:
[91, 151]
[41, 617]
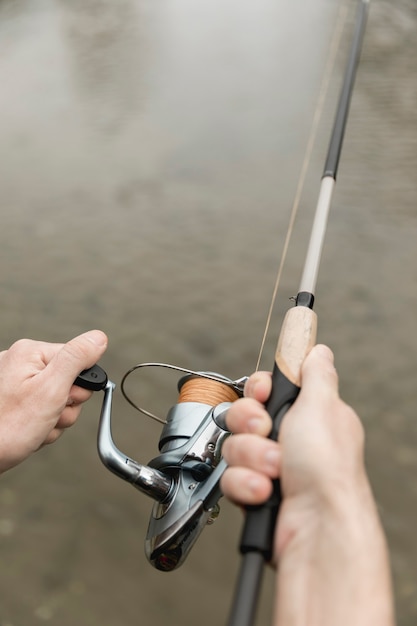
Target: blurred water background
[149, 157]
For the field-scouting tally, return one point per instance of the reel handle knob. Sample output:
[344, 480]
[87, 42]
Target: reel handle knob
[93, 378]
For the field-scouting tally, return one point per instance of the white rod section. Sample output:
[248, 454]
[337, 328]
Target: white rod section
[318, 232]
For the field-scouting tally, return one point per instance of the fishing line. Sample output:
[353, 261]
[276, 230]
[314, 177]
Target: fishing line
[318, 111]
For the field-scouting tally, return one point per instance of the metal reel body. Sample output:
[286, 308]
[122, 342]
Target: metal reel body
[184, 478]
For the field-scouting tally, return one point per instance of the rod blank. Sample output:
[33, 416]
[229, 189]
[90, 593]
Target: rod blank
[318, 231]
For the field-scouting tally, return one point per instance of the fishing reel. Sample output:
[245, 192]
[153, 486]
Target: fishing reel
[184, 478]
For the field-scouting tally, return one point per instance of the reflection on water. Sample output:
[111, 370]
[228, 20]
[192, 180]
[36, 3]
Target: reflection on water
[150, 153]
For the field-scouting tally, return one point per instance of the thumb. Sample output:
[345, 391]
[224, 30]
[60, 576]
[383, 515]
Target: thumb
[76, 355]
[319, 378]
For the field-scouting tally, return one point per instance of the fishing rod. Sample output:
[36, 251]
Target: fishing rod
[183, 480]
[297, 337]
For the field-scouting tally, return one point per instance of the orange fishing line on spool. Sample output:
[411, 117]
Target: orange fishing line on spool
[211, 392]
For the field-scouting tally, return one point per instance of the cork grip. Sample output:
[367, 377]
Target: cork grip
[297, 337]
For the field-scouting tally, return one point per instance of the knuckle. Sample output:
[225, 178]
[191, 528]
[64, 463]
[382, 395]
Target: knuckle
[21, 346]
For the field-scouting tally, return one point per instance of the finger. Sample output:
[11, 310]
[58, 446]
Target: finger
[53, 436]
[245, 486]
[251, 451]
[248, 416]
[76, 355]
[78, 395]
[259, 386]
[319, 376]
[69, 416]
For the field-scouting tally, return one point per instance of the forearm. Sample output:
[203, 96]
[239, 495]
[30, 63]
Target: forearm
[334, 569]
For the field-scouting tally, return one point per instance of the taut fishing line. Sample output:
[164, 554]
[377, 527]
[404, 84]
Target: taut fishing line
[318, 111]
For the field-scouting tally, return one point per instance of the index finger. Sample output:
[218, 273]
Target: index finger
[259, 386]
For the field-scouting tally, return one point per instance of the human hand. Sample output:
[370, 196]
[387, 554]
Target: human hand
[319, 458]
[333, 565]
[38, 399]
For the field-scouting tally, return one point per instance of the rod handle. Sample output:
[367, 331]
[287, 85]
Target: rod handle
[297, 337]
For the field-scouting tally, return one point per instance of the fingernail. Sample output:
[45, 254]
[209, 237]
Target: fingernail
[254, 484]
[271, 458]
[97, 337]
[255, 425]
[324, 352]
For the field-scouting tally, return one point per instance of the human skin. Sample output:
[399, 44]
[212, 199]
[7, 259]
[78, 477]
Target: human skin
[330, 550]
[38, 400]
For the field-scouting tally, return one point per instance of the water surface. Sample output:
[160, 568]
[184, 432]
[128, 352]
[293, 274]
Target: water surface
[150, 153]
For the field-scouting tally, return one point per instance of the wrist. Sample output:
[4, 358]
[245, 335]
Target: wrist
[333, 562]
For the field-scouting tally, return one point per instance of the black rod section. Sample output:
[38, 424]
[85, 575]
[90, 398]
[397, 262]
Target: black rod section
[336, 141]
[245, 603]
